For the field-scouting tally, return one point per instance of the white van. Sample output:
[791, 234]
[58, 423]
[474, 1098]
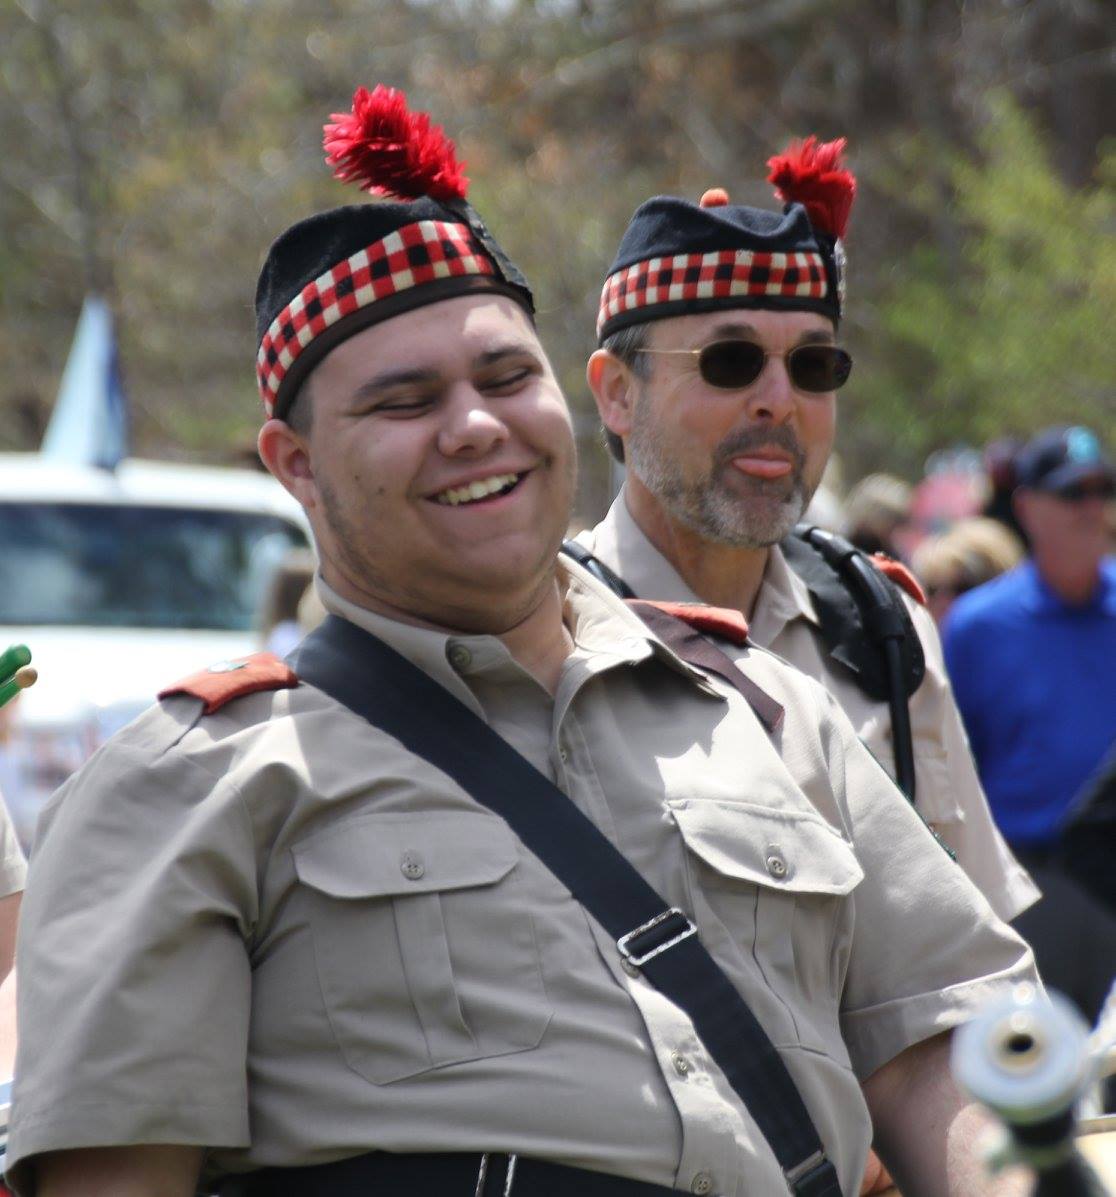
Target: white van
[121, 583]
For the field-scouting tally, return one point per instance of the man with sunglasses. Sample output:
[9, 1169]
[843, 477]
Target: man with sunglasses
[716, 384]
[1032, 654]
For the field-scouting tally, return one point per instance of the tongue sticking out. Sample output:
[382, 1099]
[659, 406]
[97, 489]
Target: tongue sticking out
[763, 467]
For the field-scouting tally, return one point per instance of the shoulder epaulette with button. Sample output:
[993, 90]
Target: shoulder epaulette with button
[718, 621]
[221, 683]
[900, 575]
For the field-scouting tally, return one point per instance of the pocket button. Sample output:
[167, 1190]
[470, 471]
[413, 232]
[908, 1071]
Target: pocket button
[776, 865]
[412, 866]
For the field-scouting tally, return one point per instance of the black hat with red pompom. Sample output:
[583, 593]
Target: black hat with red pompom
[677, 257]
[334, 274]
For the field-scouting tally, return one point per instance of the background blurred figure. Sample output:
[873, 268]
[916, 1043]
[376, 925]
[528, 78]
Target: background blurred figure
[972, 552]
[999, 465]
[876, 509]
[1031, 657]
[279, 615]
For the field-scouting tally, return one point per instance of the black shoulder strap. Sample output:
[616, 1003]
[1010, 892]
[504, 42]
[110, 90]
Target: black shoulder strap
[374, 681]
[858, 607]
[600, 571]
[866, 627]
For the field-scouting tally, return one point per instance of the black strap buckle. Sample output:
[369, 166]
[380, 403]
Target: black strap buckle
[655, 937]
[814, 1177]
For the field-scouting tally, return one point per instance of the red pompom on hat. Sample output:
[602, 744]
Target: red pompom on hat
[813, 174]
[388, 150]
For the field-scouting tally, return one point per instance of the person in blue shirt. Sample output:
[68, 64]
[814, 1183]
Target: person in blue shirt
[1032, 654]
[1032, 659]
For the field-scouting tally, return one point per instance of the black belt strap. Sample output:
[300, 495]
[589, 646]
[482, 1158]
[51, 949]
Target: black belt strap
[449, 1174]
[371, 679]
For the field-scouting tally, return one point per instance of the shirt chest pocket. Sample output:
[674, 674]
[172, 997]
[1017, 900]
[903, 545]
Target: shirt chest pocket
[777, 882]
[425, 948]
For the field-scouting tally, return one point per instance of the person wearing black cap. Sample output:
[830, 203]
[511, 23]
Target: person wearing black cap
[420, 911]
[716, 384]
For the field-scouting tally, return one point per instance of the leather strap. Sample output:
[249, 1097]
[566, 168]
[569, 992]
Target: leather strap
[370, 678]
[449, 1174]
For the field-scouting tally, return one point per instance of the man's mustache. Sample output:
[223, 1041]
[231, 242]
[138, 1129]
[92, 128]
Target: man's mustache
[748, 440]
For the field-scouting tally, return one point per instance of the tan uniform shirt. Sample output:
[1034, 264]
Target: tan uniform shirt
[948, 792]
[275, 932]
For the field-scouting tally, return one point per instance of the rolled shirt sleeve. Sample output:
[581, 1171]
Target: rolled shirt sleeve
[133, 974]
[928, 950]
[950, 795]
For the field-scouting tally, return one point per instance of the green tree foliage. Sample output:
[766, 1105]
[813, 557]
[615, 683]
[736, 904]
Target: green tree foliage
[156, 147]
[1010, 328]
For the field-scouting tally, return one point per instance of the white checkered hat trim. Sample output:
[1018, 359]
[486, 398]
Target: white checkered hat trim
[720, 274]
[409, 257]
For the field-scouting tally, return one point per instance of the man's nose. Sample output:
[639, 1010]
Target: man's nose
[771, 396]
[472, 426]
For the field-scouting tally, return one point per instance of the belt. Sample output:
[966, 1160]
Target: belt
[385, 1174]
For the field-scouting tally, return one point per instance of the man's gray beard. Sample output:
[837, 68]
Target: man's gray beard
[708, 508]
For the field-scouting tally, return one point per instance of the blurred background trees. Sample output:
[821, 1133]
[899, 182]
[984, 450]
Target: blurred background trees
[153, 148]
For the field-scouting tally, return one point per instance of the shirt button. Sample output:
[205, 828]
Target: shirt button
[702, 1183]
[563, 755]
[460, 657]
[631, 969]
[776, 865]
[681, 1064]
[412, 866]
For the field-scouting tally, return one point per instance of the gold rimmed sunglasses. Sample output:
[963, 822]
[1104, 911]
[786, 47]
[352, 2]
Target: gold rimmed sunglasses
[732, 365]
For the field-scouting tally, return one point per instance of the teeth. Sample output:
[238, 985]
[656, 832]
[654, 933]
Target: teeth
[475, 490]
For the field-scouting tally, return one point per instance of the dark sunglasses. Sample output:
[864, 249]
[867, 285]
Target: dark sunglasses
[1079, 492]
[732, 365]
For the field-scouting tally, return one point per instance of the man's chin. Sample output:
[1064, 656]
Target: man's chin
[759, 525]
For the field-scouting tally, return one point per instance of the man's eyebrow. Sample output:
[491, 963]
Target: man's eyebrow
[816, 336]
[735, 328]
[500, 352]
[393, 378]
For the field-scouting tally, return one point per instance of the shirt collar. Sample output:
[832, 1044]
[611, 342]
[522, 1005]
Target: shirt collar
[1041, 599]
[604, 629]
[622, 544]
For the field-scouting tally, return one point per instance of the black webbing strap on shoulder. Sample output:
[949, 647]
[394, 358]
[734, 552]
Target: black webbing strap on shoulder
[374, 681]
[866, 627]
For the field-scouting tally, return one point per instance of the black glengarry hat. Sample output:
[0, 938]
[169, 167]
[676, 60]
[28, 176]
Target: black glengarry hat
[677, 257]
[334, 274]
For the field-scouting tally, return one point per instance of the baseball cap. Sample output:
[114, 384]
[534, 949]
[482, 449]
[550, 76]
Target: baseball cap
[1061, 457]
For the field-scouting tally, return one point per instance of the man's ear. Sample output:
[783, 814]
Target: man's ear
[614, 387]
[1021, 506]
[287, 455]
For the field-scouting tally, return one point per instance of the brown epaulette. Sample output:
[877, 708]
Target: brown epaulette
[900, 575]
[221, 683]
[719, 621]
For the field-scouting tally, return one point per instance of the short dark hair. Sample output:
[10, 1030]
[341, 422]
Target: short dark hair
[627, 345]
[300, 410]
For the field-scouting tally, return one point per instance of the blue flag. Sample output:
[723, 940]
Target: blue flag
[89, 424]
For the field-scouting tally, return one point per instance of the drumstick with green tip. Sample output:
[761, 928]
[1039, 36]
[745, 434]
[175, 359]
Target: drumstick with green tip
[16, 673]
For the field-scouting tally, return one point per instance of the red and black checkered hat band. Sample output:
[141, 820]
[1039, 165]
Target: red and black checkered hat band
[690, 281]
[427, 251]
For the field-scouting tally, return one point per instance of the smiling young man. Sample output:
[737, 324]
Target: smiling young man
[716, 384]
[285, 946]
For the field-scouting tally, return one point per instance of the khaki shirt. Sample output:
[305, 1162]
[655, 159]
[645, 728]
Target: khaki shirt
[948, 792]
[275, 932]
